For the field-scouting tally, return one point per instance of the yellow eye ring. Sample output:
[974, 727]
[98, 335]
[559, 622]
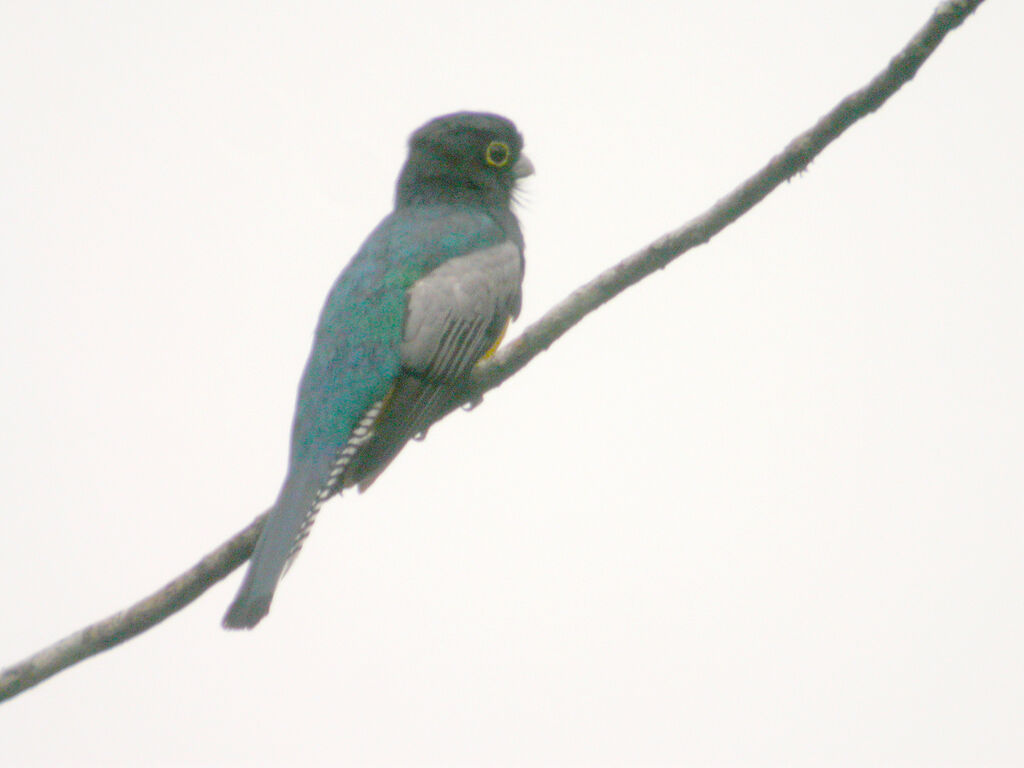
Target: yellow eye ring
[497, 154]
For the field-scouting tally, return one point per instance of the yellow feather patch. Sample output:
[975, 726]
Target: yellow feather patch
[497, 343]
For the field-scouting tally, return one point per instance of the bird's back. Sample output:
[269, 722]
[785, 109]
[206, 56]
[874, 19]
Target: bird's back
[356, 352]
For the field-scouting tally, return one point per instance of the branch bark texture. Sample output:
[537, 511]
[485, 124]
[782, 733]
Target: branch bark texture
[181, 591]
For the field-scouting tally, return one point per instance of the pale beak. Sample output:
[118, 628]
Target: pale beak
[523, 167]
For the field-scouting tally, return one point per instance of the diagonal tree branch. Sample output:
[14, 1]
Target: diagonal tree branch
[794, 158]
[175, 595]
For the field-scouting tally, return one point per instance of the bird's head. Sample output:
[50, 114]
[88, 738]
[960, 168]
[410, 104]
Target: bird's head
[463, 157]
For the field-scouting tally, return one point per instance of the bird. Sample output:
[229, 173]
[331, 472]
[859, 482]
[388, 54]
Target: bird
[429, 294]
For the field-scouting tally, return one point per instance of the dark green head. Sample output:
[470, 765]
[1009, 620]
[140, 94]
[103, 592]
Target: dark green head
[464, 157]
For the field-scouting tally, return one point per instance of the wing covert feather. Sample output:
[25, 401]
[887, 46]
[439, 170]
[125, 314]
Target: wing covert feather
[455, 313]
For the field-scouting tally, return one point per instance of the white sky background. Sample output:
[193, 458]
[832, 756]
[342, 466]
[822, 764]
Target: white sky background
[764, 509]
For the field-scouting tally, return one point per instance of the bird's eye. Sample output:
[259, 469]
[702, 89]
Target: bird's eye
[497, 154]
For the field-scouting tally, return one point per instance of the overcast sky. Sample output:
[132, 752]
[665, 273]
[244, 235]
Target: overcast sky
[764, 509]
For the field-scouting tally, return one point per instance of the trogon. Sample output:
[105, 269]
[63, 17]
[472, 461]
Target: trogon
[428, 295]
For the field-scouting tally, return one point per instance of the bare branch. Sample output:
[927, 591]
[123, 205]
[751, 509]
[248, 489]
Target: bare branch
[794, 158]
[511, 358]
[126, 624]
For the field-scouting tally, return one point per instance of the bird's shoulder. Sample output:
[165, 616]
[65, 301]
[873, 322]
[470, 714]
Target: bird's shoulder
[408, 244]
[414, 240]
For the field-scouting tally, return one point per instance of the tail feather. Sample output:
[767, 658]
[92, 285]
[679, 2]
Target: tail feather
[282, 535]
[288, 525]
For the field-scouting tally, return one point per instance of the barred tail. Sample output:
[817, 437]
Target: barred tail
[288, 525]
[286, 528]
